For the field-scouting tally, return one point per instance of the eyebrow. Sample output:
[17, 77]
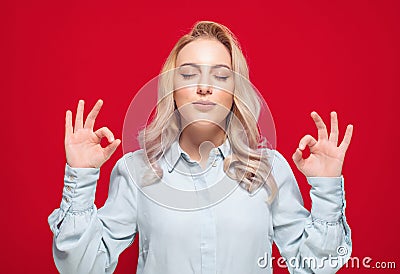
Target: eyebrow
[198, 66]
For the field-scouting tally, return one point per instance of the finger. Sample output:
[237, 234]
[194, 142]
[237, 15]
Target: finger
[307, 140]
[68, 124]
[333, 137]
[105, 132]
[91, 118]
[298, 158]
[79, 115]
[347, 138]
[110, 149]
[322, 133]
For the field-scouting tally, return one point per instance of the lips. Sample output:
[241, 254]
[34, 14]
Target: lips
[203, 105]
[206, 103]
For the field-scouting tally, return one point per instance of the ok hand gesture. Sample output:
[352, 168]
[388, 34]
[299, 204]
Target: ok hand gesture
[82, 145]
[326, 158]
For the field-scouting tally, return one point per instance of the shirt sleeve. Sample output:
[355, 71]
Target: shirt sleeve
[87, 240]
[316, 242]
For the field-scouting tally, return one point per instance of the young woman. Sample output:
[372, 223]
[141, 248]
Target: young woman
[201, 134]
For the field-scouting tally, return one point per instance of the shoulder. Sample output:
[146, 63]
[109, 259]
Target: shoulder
[281, 169]
[276, 159]
[131, 162]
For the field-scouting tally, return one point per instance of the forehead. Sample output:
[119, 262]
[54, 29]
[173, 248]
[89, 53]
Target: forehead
[204, 51]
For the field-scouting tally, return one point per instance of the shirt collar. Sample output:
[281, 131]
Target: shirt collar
[175, 152]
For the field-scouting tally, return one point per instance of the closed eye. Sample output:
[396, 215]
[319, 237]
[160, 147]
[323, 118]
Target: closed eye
[187, 76]
[221, 78]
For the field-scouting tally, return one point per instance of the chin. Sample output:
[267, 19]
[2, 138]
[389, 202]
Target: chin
[203, 123]
[203, 119]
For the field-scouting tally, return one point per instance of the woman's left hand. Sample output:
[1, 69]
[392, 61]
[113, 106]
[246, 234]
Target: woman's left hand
[326, 157]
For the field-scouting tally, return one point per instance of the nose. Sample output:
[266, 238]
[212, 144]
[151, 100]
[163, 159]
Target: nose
[204, 89]
[204, 86]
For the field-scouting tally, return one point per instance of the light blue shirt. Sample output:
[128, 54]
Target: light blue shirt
[198, 221]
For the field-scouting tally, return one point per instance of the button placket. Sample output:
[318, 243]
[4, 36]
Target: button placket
[208, 232]
[70, 181]
[68, 192]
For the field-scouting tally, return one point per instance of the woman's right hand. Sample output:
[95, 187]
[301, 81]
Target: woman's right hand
[82, 145]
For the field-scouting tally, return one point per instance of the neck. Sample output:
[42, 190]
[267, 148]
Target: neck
[197, 140]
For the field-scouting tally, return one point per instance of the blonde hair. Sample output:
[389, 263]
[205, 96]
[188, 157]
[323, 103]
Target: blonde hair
[250, 163]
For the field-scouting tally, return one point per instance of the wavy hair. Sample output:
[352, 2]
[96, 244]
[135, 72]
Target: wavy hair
[249, 163]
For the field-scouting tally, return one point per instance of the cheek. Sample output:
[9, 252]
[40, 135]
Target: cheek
[183, 96]
[226, 99]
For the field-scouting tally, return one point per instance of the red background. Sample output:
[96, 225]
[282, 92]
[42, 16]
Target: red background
[303, 56]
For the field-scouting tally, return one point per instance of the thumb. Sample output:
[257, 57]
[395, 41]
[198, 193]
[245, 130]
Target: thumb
[110, 149]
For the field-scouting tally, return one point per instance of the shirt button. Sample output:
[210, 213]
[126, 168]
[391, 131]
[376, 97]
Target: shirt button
[69, 188]
[71, 178]
[66, 199]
